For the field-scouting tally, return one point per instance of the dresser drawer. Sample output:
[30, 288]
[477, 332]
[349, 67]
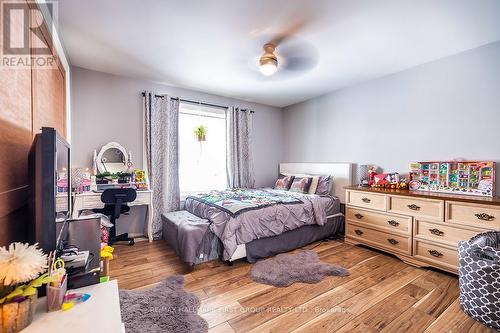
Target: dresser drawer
[436, 254]
[441, 232]
[477, 215]
[367, 200]
[386, 221]
[427, 208]
[382, 239]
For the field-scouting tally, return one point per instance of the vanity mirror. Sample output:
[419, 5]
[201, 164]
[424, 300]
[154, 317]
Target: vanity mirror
[112, 158]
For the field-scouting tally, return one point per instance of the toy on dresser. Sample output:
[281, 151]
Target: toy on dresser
[460, 177]
[386, 180]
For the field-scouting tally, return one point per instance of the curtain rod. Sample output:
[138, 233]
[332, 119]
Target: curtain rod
[198, 103]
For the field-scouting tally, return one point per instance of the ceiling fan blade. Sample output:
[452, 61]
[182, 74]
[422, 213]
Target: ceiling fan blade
[292, 30]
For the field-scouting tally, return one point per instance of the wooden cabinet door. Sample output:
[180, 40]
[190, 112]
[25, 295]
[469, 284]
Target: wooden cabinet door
[15, 129]
[29, 99]
[15, 142]
[48, 100]
[48, 88]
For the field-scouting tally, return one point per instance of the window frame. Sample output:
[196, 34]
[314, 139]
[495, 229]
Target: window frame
[203, 110]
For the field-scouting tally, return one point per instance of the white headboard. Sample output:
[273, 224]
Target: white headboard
[341, 173]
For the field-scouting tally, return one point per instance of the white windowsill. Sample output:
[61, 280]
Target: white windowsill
[184, 195]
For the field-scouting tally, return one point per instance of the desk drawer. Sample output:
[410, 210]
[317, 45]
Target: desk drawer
[378, 238]
[92, 201]
[61, 203]
[442, 232]
[427, 208]
[143, 198]
[436, 254]
[367, 200]
[390, 222]
[471, 214]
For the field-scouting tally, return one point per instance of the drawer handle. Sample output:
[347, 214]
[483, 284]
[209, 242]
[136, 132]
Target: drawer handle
[358, 216]
[393, 223]
[366, 200]
[414, 207]
[485, 217]
[436, 232]
[435, 253]
[358, 232]
[392, 241]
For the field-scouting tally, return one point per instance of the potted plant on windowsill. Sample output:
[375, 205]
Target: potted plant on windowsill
[200, 133]
[123, 177]
[22, 270]
[103, 178]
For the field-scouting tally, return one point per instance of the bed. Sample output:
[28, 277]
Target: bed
[269, 221]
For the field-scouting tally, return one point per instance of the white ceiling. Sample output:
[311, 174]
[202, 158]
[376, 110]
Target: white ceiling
[213, 45]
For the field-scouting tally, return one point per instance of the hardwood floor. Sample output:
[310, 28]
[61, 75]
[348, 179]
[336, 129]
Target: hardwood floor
[382, 294]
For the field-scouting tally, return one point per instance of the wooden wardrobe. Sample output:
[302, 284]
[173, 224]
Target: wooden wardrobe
[29, 99]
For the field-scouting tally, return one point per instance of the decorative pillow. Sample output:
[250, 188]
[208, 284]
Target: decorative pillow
[314, 184]
[324, 185]
[284, 182]
[301, 184]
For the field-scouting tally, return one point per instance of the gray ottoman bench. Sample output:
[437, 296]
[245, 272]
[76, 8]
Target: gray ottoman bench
[190, 237]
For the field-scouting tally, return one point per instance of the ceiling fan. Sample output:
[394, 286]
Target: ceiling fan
[286, 53]
[268, 63]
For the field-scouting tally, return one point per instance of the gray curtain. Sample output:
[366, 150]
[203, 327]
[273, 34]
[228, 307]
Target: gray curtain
[161, 120]
[239, 148]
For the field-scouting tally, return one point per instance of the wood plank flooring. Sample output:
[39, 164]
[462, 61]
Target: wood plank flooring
[382, 294]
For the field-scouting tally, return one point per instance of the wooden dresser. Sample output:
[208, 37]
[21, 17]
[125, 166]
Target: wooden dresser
[421, 228]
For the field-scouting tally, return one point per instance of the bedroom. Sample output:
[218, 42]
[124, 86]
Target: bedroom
[155, 104]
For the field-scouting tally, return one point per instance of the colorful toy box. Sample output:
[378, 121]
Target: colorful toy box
[459, 177]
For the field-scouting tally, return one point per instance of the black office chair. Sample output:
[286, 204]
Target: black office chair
[115, 203]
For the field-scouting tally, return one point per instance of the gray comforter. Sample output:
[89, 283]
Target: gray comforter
[265, 222]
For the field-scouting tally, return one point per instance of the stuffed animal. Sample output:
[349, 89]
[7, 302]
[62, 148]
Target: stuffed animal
[371, 173]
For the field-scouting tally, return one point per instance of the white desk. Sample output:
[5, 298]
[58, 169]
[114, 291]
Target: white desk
[92, 200]
[101, 313]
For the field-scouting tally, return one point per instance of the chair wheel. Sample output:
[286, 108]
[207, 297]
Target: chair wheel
[131, 242]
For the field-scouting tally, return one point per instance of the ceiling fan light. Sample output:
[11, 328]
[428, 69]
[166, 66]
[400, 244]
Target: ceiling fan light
[268, 66]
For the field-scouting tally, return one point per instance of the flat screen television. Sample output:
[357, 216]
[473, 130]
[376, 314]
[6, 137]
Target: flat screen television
[50, 187]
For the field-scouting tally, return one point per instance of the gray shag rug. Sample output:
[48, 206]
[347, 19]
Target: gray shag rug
[166, 307]
[288, 268]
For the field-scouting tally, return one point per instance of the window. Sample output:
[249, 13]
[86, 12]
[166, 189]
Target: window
[202, 155]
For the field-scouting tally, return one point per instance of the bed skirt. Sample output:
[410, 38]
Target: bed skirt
[293, 239]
